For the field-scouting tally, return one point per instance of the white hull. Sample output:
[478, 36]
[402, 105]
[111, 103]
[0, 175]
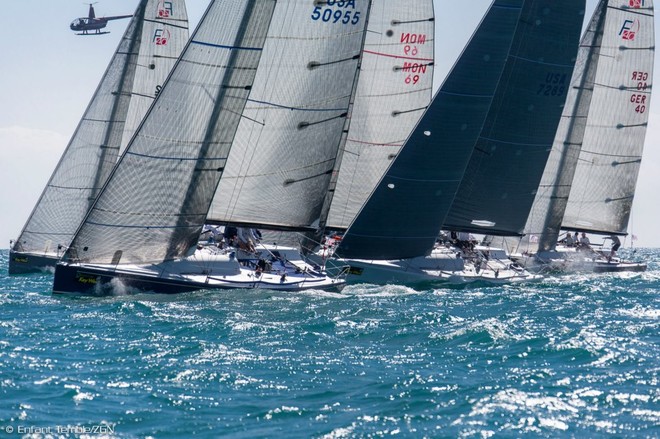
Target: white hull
[442, 266]
[569, 260]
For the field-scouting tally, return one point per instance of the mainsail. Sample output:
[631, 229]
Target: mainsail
[503, 174]
[140, 63]
[603, 188]
[402, 217]
[394, 90]
[157, 200]
[295, 120]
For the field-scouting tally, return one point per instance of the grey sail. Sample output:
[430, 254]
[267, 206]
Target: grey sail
[154, 204]
[137, 67]
[545, 218]
[403, 215]
[394, 90]
[603, 188]
[505, 169]
[164, 35]
[294, 123]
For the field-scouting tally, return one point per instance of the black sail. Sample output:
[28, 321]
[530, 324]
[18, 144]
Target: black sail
[509, 157]
[403, 215]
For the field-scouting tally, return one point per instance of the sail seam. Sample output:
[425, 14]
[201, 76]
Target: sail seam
[174, 158]
[543, 63]
[397, 56]
[166, 23]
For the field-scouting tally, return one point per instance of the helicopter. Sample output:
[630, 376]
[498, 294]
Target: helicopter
[91, 23]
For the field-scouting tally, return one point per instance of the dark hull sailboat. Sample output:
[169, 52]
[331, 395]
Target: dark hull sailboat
[201, 271]
[222, 127]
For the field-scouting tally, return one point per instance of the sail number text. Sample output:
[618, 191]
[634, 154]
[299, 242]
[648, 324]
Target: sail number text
[554, 85]
[640, 100]
[414, 70]
[337, 11]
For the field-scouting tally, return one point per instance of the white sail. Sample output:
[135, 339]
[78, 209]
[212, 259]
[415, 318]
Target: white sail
[286, 146]
[137, 67]
[597, 149]
[395, 88]
[606, 175]
[155, 203]
[164, 35]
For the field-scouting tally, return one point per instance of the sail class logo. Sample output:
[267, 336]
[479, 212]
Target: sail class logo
[161, 37]
[629, 29]
[165, 9]
[636, 3]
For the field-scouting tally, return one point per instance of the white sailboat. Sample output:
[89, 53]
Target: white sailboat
[245, 131]
[492, 105]
[589, 182]
[130, 84]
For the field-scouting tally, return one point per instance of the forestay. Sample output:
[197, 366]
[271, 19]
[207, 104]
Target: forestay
[394, 90]
[295, 121]
[508, 160]
[137, 67]
[403, 215]
[154, 205]
[606, 175]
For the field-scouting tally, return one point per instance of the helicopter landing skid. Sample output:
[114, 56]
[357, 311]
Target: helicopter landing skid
[93, 33]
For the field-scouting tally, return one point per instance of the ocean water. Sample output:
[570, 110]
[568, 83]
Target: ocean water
[575, 356]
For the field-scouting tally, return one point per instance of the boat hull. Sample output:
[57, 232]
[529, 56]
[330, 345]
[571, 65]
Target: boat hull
[27, 263]
[442, 267]
[575, 262]
[80, 279]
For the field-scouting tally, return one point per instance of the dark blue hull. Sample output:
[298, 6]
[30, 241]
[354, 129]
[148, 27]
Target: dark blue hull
[26, 263]
[94, 281]
[74, 279]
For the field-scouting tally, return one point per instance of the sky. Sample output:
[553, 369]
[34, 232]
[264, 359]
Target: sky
[49, 74]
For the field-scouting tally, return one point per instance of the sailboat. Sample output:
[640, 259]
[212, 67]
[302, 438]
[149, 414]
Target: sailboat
[253, 114]
[495, 98]
[147, 51]
[589, 182]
